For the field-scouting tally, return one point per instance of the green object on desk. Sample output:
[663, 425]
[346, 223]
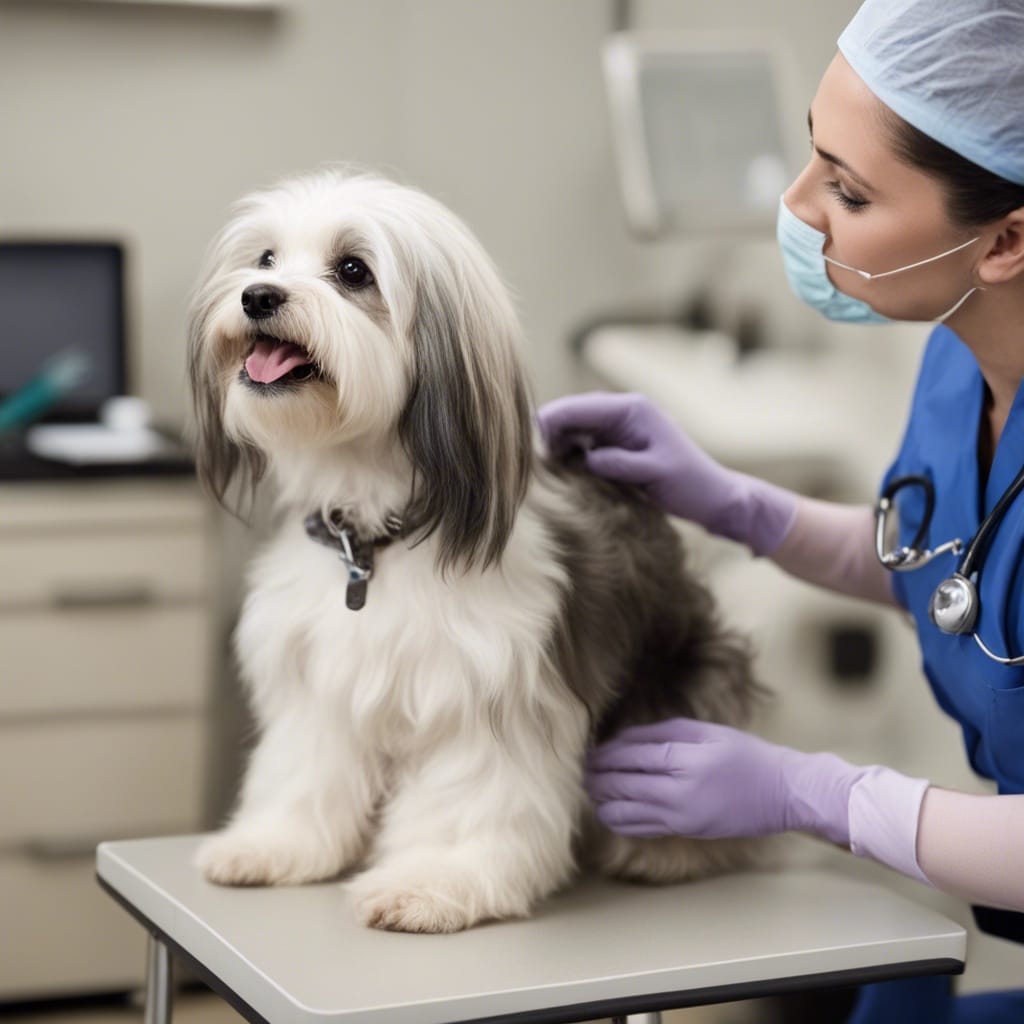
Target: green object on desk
[59, 376]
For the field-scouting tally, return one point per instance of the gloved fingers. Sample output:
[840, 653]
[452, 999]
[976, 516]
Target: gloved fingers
[592, 411]
[632, 819]
[631, 467]
[639, 787]
[642, 758]
[669, 730]
[647, 831]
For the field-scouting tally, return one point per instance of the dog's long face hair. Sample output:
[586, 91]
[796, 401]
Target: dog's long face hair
[344, 311]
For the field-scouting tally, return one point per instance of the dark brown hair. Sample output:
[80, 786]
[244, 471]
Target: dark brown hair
[973, 195]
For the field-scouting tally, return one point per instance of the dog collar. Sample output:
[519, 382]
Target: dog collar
[355, 550]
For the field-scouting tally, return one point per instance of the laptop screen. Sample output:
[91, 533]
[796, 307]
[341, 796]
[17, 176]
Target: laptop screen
[59, 297]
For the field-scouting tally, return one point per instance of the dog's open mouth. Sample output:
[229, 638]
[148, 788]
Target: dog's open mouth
[273, 361]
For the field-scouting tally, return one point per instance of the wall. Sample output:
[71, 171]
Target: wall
[145, 122]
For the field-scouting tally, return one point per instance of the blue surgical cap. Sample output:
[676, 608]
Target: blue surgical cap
[954, 69]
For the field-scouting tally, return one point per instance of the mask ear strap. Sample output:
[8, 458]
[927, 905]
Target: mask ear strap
[963, 298]
[899, 270]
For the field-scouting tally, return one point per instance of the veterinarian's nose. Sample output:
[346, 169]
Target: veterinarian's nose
[261, 300]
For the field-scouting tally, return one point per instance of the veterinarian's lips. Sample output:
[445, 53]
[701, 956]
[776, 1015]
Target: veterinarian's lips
[271, 359]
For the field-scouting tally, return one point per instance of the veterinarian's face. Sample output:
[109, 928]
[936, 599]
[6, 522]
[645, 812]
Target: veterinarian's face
[297, 324]
[877, 212]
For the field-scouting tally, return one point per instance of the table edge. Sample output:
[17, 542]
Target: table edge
[569, 1014]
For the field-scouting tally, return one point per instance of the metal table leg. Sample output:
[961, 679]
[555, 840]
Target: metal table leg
[158, 983]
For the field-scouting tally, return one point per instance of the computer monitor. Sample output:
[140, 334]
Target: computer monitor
[59, 296]
[704, 128]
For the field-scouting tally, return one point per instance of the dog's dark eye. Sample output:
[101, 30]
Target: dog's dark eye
[353, 272]
[267, 259]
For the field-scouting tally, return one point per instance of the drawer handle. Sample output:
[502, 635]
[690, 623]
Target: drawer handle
[120, 597]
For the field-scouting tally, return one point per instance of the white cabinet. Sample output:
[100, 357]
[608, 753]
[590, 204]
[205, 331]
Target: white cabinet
[105, 667]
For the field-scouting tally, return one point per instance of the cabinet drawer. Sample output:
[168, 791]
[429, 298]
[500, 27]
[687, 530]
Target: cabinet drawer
[101, 568]
[66, 784]
[63, 934]
[94, 659]
[87, 504]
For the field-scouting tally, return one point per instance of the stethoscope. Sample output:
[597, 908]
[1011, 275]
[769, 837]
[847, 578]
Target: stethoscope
[954, 604]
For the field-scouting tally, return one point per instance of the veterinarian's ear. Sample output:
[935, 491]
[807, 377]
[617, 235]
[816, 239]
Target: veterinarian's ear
[466, 427]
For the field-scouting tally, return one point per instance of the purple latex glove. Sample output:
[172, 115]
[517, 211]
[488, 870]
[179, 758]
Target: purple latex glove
[710, 781]
[626, 438]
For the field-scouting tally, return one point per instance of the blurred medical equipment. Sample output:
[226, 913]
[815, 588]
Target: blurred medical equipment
[59, 296]
[122, 435]
[708, 133]
[700, 131]
[62, 360]
[60, 376]
[954, 604]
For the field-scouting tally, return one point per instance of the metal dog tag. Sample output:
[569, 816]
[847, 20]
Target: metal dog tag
[358, 574]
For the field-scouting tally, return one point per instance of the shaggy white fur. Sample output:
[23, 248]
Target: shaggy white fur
[351, 337]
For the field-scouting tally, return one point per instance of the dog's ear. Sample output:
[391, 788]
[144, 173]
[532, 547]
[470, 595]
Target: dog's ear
[466, 427]
[220, 462]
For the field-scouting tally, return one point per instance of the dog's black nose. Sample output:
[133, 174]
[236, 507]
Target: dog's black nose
[261, 300]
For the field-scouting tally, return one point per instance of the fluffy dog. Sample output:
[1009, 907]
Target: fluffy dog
[446, 619]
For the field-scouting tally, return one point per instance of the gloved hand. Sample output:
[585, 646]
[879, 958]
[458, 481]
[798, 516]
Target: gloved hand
[626, 438]
[710, 781]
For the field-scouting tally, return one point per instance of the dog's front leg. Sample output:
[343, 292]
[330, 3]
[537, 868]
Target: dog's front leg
[306, 804]
[480, 829]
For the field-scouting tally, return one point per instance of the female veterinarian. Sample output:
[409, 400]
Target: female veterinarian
[910, 208]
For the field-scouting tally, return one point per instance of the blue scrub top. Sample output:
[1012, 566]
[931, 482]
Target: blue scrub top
[941, 443]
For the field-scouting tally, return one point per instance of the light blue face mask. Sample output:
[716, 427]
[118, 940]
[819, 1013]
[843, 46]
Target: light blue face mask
[804, 263]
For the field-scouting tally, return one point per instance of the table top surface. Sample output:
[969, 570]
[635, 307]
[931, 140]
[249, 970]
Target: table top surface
[297, 954]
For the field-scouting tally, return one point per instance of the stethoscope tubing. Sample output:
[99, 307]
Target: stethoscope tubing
[967, 573]
[977, 548]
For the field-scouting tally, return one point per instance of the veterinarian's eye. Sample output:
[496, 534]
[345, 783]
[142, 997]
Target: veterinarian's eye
[267, 259]
[353, 272]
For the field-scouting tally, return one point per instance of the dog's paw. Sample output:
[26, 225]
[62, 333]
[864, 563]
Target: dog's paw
[262, 858]
[430, 899]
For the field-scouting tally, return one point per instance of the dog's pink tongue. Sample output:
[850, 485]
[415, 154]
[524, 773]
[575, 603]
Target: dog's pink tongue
[271, 360]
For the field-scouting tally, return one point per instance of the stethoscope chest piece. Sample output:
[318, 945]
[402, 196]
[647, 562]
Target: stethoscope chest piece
[954, 605]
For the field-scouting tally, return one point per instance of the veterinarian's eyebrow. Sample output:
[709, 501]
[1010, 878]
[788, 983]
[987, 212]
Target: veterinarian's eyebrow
[833, 159]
